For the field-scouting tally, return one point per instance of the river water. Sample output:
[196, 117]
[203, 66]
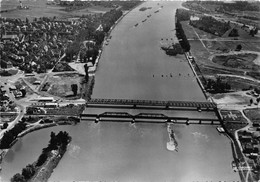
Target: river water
[132, 66]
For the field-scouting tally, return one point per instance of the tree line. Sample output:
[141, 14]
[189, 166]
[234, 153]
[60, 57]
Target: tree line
[11, 135]
[182, 37]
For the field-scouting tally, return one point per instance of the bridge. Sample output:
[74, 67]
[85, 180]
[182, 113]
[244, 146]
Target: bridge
[146, 118]
[148, 103]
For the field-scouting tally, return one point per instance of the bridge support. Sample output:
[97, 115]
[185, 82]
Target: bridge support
[187, 122]
[199, 109]
[97, 119]
[200, 121]
[134, 106]
[212, 122]
[133, 121]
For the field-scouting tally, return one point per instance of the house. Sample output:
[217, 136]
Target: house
[51, 105]
[45, 99]
[248, 148]
[245, 139]
[17, 93]
[37, 82]
[10, 37]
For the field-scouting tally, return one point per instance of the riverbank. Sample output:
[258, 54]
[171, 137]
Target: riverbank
[89, 85]
[41, 169]
[3, 152]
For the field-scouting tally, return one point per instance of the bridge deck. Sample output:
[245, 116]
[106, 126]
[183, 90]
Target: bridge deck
[153, 103]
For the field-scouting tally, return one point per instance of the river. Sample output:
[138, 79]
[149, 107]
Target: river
[132, 66]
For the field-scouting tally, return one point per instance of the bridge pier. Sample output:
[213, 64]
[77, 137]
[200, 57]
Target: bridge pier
[200, 121]
[187, 122]
[134, 106]
[97, 119]
[133, 121]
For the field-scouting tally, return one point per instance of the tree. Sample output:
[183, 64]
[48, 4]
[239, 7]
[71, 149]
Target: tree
[28, 171]
[238, 48]
[23, 92]
[18, 178]
[251, 102]
[258, 100]
[5, 125]
[86, 71]
[74, 88]
[27, 21]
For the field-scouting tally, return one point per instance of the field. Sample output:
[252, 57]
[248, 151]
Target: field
[39, 8]
[240, 61]
[237, 98]
[253, 114]
[60, 85]
[232, 115]
[7, 118]
[67, 110]
[214, 55]
[239, 83]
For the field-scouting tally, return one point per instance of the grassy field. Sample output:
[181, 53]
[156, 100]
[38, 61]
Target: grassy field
[239, 83]
[61, 85]
[39, 8]
[253, 114]
[240, 61]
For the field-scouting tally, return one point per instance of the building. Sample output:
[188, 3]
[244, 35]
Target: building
[45, 99]
[50, 105]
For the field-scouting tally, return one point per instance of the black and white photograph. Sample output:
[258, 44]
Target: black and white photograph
[129, 91]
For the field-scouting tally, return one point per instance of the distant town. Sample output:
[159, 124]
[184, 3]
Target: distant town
[48, 66]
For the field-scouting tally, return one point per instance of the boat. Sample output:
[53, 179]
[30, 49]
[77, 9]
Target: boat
[172, 145]
[136, 25]
[156, 11]
[144, 20]
[149, 16]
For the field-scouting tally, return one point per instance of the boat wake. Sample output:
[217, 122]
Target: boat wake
[172, 145]
[73, 150]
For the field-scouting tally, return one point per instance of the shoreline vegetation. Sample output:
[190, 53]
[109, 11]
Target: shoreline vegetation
[41, 169]
[89, 84]
[4, 151]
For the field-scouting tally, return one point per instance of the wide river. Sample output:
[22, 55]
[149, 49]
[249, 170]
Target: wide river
[133, 66]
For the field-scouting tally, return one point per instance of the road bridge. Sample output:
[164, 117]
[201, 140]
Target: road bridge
[153, 103]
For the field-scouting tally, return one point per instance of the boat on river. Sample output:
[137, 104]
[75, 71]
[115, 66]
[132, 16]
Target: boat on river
[172, 145]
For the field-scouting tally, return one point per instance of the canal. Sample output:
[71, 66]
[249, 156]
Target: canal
[133, 66]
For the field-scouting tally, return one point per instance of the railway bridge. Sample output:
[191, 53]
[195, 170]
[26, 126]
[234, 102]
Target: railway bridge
[146, 118]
